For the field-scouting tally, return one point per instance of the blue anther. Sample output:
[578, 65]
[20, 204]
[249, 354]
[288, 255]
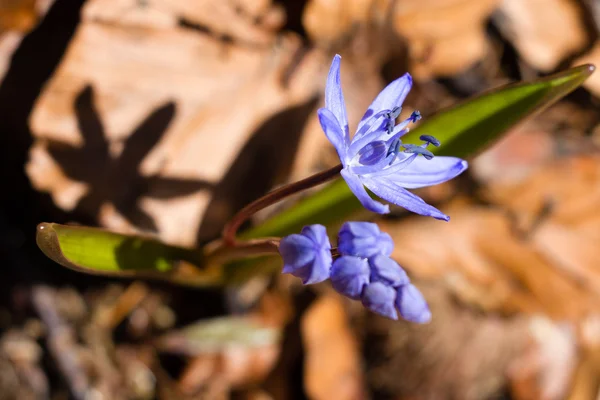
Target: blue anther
[415, 116]
[413, 148]
[394, 113]
[430, 140]
[394, 147]
[390, 126]
[391, 119]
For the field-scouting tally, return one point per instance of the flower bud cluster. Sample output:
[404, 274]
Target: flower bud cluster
[362, 269]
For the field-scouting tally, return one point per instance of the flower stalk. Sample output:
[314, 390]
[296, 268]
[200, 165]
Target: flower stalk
[230, 230]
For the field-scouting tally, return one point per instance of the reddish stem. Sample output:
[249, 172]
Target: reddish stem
[230, 230]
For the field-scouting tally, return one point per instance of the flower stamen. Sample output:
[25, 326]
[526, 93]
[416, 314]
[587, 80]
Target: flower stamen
[415, 149]
[391, 118]
[430, 140]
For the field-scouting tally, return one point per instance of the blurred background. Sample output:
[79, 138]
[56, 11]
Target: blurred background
[167, 116]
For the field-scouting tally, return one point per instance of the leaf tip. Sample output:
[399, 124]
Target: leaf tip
[43, 227]
[47, 241]
[591, 68]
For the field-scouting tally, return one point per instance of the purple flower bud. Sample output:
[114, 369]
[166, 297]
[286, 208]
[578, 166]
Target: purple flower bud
[349, 276]
[363, 239]
[386, 270]
[307, 255]
[411, 304]
[380, 298]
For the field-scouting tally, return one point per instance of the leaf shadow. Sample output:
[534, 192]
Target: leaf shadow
[116, 179]
[263, 161]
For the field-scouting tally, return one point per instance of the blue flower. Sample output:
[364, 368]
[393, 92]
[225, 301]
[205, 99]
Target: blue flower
[350, 275]
[376, 157]
[307, 255]
[382, 286]
[364, 239]
[380, 298]
[386, 270]
[412, 305]
[364, 271]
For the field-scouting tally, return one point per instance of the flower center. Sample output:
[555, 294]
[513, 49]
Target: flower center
[372, 153]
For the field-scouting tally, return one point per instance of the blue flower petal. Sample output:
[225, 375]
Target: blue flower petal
[307, 255]
[334, 98]
[318, 234]
[412, 305]
[359, 191]
[360, 229]
[390, 191]
[392, 96]
[380, 299]
[422, 172]
[372, 122]
[349, 275]
[333, 131]
[296, 251]
[363, 239]
[386, 270]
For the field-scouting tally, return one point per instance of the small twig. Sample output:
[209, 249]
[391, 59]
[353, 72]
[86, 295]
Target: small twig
[60, 342]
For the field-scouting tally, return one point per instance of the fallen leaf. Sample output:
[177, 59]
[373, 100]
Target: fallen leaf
[544, 371]
[17, 18]
[332, 360]
[544, 32]
[445, 37]
[513, 256]
[515, 156]
[460, 354]
[190, 133]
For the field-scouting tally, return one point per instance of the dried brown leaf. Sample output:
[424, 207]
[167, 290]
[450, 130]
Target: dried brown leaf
[241, 22]
[332, 361]
[515, 156]
[142, 121]
[545, 369]
[544, 32]
[546, 263]
[17, 18]
[21, 15]
[445, 37]
[460, 354]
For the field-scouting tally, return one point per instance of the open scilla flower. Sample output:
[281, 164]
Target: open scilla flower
[362, 269]
[376, 157]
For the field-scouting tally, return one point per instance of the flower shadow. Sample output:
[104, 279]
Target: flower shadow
[117, 179]
[265, 160]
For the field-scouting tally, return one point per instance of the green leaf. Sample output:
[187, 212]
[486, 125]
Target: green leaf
[96, 251]
[464, 130]
[218, 334]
